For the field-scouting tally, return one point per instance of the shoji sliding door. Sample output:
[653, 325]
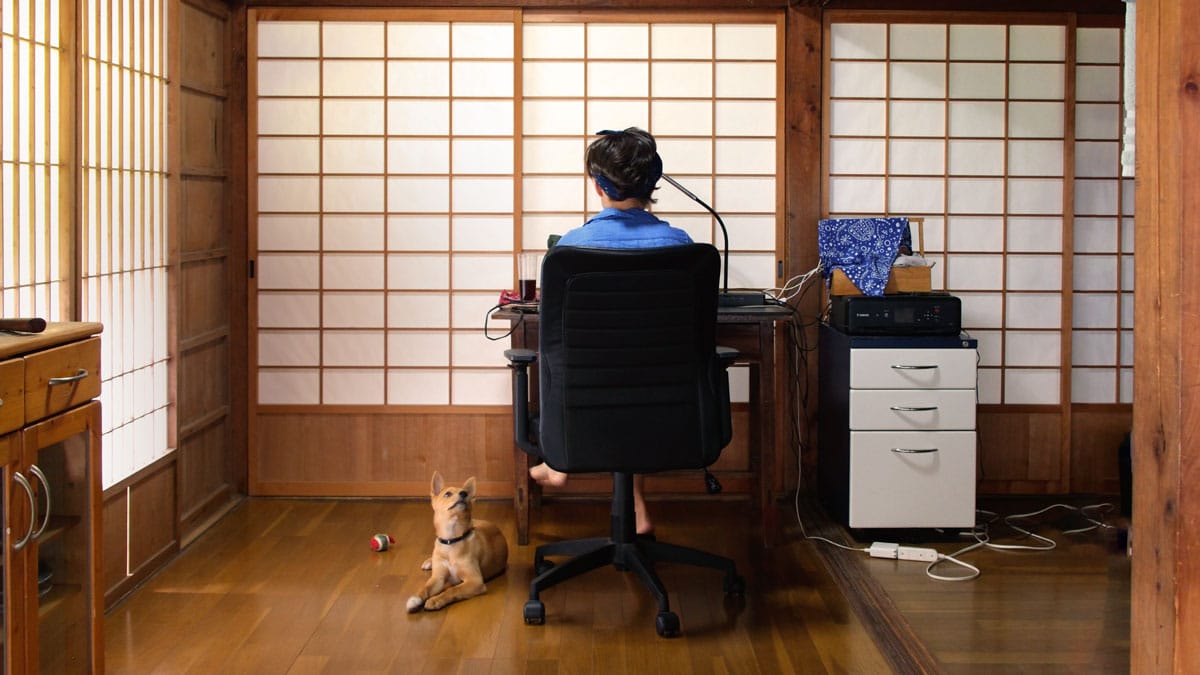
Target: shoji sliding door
[400, 159]
[1003, 134]
[385, 158]
[84, 222]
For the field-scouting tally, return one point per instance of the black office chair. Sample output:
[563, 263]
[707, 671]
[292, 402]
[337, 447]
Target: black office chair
[632, 382]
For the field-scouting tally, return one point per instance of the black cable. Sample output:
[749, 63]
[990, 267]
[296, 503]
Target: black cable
[487, 317]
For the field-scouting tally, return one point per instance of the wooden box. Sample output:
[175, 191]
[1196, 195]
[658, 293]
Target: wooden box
[901, 280]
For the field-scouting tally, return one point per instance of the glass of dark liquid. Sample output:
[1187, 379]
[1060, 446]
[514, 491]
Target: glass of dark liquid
[528, 264]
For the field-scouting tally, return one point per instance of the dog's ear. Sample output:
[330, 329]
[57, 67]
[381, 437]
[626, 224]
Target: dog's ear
[469, 486]
[435, 486]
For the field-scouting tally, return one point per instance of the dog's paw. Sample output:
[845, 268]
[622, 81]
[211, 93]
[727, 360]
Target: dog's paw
[414, 604]
[435, 603]
[427, 565]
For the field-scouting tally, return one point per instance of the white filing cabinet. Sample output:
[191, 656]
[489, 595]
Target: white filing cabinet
[897, 430]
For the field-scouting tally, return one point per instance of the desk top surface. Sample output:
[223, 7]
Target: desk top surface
[56, 333]
[754, 313]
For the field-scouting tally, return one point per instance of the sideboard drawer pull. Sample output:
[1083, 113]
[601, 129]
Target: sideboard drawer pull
[914, 408]
[80, 374]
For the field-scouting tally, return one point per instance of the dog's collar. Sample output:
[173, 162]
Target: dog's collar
[457, 539]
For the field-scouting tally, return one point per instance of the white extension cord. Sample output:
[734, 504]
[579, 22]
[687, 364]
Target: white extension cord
[883, 549]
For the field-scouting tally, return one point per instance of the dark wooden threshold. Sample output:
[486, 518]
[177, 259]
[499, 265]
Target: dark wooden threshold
[893, 634]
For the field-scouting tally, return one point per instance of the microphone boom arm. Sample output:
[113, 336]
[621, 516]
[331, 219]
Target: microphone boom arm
[724, 232]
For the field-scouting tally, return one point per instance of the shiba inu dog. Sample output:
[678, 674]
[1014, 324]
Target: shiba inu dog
[466, 552]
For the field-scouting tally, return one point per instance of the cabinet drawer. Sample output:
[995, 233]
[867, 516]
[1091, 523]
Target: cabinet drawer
[12, 395]
[61, 378]
[912, 479]
[912, 368]
[912, 409]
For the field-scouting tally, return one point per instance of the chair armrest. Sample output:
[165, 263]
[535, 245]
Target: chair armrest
[520, 360]
[520, 356]
[726, 356]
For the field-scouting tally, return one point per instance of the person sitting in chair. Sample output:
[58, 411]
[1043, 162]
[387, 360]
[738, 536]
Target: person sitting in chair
[624, 167]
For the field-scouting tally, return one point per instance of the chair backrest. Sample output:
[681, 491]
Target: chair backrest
[628, 373]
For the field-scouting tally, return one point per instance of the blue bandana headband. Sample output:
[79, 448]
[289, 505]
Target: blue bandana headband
[614, 193]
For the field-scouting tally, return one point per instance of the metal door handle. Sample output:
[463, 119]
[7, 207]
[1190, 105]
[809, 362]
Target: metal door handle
[913, 408]
[79, 375]
[33, 469]
[914, 451]
[24, 483]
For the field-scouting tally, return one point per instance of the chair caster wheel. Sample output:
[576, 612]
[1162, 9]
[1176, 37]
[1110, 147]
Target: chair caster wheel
[540, 567]
[735, 585]
[535, 613]
[666, 624]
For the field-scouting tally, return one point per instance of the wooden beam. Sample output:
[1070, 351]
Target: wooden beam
[1166, 599]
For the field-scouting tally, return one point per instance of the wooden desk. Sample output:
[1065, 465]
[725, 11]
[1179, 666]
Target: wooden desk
[750, 330]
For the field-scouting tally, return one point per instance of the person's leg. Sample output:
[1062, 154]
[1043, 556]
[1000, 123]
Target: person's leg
[544, 475]
[644, 524]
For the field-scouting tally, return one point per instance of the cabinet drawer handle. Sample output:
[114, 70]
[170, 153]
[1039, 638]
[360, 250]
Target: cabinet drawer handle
[79, 375]
[24, 483]
[914, 451]
[36, 471]
[914, 408]
[900, 366]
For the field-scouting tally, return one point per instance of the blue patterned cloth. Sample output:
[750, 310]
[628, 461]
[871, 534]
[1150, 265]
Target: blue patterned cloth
[862, 248]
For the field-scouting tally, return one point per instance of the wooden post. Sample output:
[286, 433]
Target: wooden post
[1166, 412]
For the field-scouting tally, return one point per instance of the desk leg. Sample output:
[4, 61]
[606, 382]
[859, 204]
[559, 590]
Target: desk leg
[762, 424]
[521, 490]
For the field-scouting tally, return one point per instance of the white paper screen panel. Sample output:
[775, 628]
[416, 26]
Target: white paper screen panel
[965, 125]
[1101, 203]
[708, 91]
[387, 149]
[122, 80]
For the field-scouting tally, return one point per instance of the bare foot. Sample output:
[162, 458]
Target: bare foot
[544, 475]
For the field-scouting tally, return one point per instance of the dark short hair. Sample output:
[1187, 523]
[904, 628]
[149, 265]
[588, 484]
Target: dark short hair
[628, 161]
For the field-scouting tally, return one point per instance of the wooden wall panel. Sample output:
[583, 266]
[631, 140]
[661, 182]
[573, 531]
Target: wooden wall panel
[152, 518]
[204, 200]
[202, 118]
[204, 46]
[207, 492]
[394, 454]
[203, 383]
[1096, 434]
[1020, 451]
[112, 548]
[134, 549]
[204, 286]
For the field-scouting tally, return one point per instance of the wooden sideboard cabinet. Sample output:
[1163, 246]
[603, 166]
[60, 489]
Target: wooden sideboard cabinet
[50, 449]
[897, 430]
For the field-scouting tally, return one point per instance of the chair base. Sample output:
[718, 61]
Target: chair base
[625, 550]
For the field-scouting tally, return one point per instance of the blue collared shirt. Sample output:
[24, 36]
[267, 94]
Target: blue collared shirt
[629, 228]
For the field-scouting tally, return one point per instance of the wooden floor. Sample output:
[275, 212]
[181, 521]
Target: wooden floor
[292, 586]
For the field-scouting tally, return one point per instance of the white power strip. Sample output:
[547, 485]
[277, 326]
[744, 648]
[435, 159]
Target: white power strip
[883, 549]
